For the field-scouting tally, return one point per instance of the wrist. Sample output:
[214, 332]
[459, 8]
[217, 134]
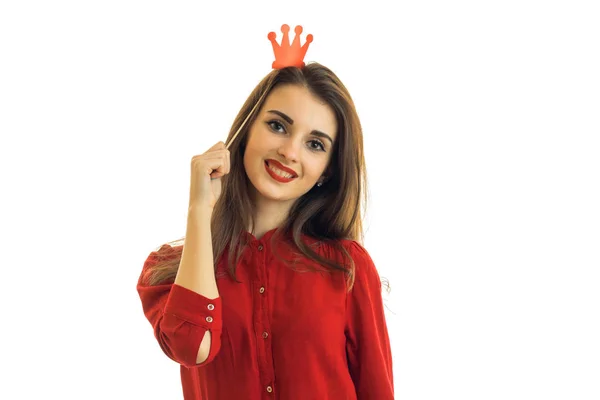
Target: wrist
[199, 212]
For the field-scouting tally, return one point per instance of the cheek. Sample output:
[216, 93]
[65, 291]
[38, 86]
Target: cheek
[314, 170]
[255, 145]
[252, 157]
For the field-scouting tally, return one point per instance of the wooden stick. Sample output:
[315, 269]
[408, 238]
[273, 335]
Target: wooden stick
[244, 123]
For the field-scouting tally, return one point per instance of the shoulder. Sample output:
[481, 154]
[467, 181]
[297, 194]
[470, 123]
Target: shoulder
[365, 271]
[164, 253]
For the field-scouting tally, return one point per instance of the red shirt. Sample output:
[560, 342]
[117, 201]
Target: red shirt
[280, 334]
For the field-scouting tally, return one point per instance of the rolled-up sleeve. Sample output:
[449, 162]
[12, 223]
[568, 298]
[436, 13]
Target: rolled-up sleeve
[180, 317]
[367, 341]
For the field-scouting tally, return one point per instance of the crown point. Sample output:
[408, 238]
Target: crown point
[287, 54]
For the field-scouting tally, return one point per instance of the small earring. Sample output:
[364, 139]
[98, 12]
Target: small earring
[319, 183]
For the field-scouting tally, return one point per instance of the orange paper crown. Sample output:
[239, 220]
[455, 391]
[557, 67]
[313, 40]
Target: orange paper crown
[286, 55]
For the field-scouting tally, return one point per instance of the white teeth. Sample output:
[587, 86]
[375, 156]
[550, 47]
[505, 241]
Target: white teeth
[280, 172]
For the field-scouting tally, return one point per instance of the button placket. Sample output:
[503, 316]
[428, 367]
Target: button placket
[261, 319]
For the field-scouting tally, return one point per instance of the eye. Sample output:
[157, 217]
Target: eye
[319, 143]
[276, 126]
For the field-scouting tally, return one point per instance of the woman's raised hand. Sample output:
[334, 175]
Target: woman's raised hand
[207, 170]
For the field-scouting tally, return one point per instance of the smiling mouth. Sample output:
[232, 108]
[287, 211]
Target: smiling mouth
[279, 175]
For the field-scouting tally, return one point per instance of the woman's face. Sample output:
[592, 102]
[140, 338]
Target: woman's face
[297, 130]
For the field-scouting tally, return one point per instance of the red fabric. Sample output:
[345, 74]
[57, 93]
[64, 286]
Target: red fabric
[304, 337]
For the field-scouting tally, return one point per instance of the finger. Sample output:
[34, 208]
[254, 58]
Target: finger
[212, 154]
[219, 162]
[217, 146]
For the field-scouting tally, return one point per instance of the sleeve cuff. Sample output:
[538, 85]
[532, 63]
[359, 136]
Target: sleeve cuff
[194, 308]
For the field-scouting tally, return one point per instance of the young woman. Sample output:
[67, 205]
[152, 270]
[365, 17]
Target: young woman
[272, 296]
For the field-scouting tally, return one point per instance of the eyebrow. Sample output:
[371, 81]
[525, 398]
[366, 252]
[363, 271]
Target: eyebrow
[291, 122]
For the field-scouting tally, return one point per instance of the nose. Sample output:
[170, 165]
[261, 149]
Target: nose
[289, 150]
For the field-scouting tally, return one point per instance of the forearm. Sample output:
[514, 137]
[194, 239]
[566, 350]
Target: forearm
[196, 269]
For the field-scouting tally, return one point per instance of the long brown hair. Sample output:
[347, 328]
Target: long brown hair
[327, 213]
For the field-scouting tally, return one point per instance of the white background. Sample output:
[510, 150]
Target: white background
[481, 124]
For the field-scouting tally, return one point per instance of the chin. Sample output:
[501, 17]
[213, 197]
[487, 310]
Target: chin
[276, 195]
[271, 191]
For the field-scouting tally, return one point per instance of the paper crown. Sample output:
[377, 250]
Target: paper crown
[286, 55]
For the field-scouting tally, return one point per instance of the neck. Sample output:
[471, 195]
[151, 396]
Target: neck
[269, 214]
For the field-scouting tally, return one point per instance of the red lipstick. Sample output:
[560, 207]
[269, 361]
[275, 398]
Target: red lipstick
[281, 167]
